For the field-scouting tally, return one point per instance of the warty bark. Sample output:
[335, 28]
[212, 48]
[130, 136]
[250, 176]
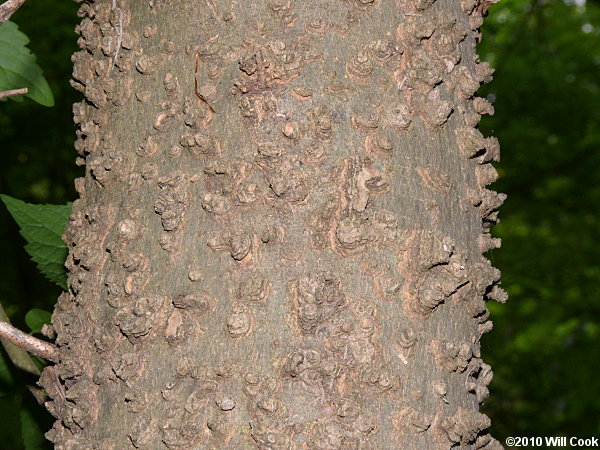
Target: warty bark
[278, 241]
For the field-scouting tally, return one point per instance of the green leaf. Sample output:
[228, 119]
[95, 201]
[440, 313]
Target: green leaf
[33, 436]
[18, 68]
[6, 378]
[10, 428]
[36, 319]
[42, 227]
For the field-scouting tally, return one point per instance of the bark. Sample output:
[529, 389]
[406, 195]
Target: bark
[278, 241]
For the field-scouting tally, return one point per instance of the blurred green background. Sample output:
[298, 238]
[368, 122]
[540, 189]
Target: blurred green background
[545, 343]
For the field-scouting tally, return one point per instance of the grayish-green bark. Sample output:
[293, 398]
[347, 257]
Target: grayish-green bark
[278, 242]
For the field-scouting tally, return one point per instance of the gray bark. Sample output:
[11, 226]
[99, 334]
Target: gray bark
[278, 241]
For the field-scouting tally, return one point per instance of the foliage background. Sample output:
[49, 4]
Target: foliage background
[545, 343]
[37, 166]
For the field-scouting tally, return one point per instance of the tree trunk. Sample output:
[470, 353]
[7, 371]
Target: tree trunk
[278, 242]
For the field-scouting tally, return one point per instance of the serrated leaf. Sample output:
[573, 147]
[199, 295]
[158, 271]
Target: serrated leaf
[36, 319]
[42, 227]
[18, 67]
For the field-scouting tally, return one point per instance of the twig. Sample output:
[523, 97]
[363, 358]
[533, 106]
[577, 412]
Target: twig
[8, 8]
[12, 92]
[17, 355]
[27, 342]
[21, 359]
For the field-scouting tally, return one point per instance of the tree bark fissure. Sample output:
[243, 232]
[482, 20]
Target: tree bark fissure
[278, 241]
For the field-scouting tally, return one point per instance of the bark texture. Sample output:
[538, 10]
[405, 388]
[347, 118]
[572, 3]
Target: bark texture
[278, 242]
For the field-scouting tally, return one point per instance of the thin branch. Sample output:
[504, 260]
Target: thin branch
[19, 357]
[8, 8]
[12, 92]
[27, 342]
